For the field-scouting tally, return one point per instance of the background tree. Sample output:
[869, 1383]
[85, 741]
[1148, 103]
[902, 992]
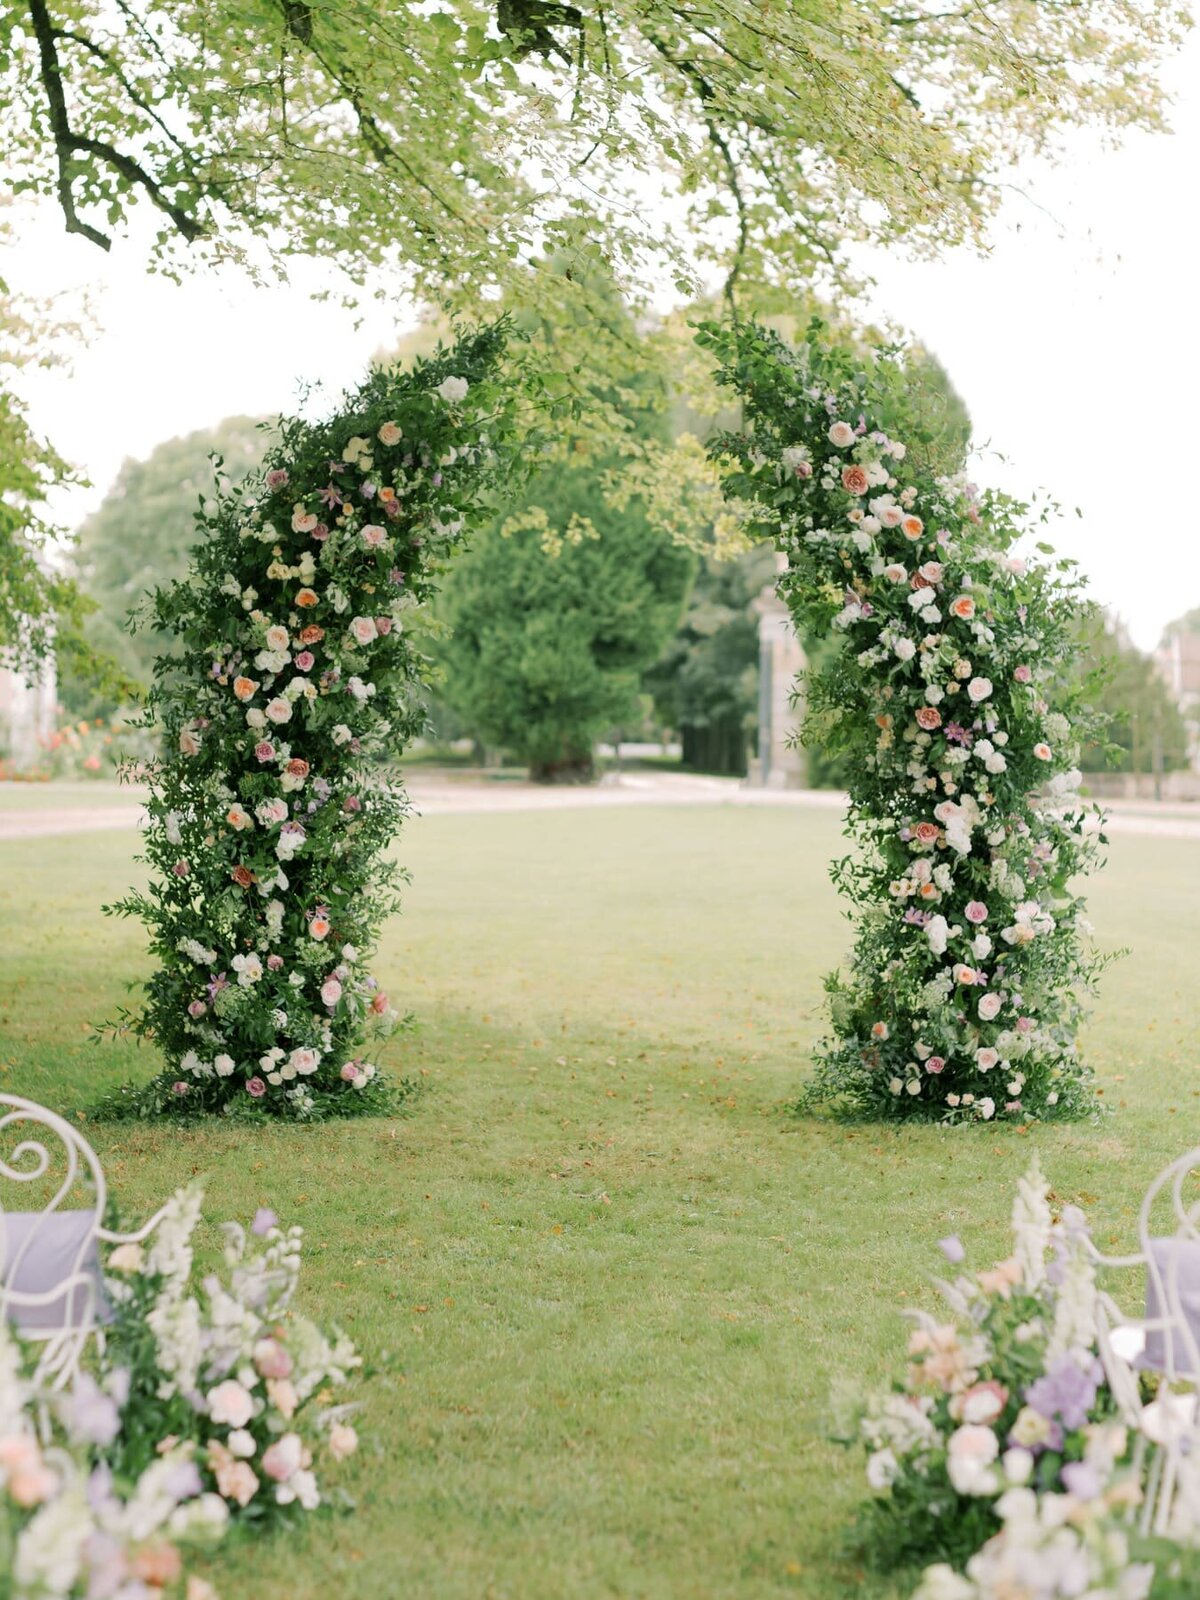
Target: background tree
[139, 540]
[1146, 731]
[554, 618]
[705, 683]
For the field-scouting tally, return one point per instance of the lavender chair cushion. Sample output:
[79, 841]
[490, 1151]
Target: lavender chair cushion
[1178, 1263]
[45, 1250]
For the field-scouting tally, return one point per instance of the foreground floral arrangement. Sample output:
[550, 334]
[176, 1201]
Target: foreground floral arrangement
[269, 815]
[1003, 1454]
[963, 999]
[200, 1412]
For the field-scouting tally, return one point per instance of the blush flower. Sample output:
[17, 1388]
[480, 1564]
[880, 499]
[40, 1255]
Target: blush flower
[963, 607]
[841, 434]
[928, 717]
[976, 911]
[855, 480]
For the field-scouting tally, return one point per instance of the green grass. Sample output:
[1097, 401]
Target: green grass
[607, 1283]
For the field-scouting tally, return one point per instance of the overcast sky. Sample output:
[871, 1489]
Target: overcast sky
[1075, 342]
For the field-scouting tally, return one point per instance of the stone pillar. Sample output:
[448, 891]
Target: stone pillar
[780, 660]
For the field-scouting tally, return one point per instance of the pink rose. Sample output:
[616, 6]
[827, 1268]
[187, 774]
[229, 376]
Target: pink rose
[283, 1459]
[926, 833]
[379, 1003]
[349, 1072]
[271, 1359]
[331, 992]
[197, 1008]
[264, 750]
[855, 480]
[989, 1007]
[373, 536]
[1024, 1024]
[976, 911]
[274, 963]
[181, 869]
[982, 1403]
[935, 1064]
[383, 626]
[363, 629]
[352, 803]
[277, 477]
[256, 1088]
[306, 660]
[928, 718]
[1043, 752]
[1023, 674]
[179, 1087]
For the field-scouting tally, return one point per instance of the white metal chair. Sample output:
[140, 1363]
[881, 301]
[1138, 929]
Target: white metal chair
[51, 1277]
[1165, 1341]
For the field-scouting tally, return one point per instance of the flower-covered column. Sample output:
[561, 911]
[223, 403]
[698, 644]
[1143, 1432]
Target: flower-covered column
[298, 666]
[950, 697]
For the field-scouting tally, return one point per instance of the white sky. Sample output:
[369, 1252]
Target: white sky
[1075, 342]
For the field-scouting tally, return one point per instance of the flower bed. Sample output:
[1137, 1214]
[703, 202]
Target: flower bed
[270, 813]
[948, 694]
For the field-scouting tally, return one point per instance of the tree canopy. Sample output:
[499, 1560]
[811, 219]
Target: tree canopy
[464, 139]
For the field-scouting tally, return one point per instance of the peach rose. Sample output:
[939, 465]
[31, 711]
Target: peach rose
[242, 876]
[389, 434]
[306, 598]
[157, 1565]
[962, 606]
[312, 634]
[912, 527]
[926, 833]
[318, 928]
[245, 689]
[855, 480]
[929, 718]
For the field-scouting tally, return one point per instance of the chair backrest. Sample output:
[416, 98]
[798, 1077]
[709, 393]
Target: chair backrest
[51, 1277]
[1165, 1340]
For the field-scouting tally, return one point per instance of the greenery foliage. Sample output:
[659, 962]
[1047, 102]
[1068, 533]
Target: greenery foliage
[299, 662]
[950, 696]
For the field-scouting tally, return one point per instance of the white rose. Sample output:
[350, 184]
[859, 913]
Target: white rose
[970, 1454]
[453, 389]
[223, 1066]
[905, 649]
[364, 629]
[979, 689]
[841, 434]
[279, 710]
[230, 1403]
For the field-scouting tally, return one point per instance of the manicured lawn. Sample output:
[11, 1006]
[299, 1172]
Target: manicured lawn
[608, 1286]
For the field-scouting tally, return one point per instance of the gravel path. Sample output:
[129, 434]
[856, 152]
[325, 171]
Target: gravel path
[435, 797]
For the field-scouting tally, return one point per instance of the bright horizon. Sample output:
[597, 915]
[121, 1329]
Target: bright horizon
[1073, 346]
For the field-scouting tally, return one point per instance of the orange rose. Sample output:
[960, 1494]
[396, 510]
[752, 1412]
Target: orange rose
[912, 527]
[242, 876]
[962, 606]
[157, 1565]
[312, 634]
[245, 688]
[306, 598]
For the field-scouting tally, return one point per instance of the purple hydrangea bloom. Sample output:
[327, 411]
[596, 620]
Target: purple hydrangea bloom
[1066, 1393]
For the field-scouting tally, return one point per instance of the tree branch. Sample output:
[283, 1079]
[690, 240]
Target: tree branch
[68, 144]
